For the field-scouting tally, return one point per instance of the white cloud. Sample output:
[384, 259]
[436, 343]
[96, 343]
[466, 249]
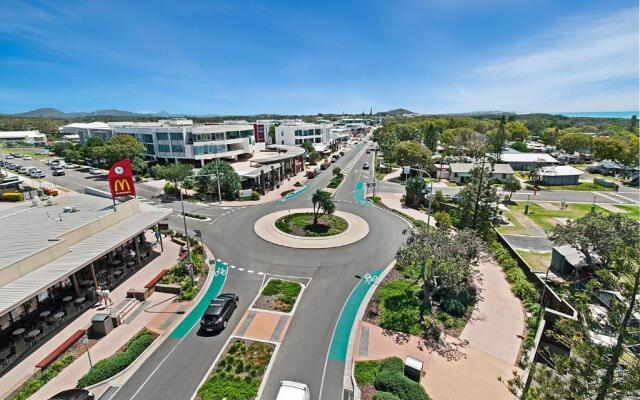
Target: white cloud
[586, 63]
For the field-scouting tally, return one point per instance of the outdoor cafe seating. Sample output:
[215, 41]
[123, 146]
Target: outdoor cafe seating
[24, 328]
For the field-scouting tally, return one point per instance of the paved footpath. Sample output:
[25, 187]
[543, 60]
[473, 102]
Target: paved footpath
[467, 367]
[136, 320]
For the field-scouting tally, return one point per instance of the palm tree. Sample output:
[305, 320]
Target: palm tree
[322, 205]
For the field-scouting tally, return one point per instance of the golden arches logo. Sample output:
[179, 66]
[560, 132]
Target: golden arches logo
[120, 185]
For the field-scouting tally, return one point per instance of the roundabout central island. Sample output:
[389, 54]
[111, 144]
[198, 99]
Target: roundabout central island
[272, 228]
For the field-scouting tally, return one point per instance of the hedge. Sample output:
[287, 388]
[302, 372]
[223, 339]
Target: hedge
[396, 383]
[105, 369]
[385, 396]
[392, 364]
[365, 371]
[34, 384]
[12, 196]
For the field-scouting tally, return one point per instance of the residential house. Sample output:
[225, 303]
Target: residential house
[461, 172]
[559, 175]
[527, 161]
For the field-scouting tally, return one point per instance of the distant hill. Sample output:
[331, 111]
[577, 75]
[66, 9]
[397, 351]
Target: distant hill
[55, 113]
[397, 111]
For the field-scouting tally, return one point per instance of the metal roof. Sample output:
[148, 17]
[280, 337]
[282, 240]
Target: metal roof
[27, 230]
[79, 255]
[527, 157]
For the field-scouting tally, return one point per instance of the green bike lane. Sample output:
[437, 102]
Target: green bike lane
[175, 369]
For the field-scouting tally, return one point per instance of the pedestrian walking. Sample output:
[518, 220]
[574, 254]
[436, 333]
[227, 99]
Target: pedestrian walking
[99, 294]
[158, 236]
[106, 298]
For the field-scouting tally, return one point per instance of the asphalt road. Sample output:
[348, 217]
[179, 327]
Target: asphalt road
[175, 370]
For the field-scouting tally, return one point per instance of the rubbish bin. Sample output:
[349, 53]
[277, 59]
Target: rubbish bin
[101, 324]
[413, 369]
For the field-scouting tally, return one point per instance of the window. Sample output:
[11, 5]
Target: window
[318, 140]
[318, 132]
[164, 148]
[150, 149]
[177, 136]
[177, 148]
[162, 135]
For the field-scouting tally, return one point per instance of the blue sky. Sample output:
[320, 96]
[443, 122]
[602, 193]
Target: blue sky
[246, 57]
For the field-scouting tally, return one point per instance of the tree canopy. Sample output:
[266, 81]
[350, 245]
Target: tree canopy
[229, 180]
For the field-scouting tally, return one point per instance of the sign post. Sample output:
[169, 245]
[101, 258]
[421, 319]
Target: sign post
[121, 181]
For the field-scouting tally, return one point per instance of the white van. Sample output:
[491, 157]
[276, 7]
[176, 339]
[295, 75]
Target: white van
[290, 390]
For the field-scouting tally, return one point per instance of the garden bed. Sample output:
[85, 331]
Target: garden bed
[278, 295]
[239, 371]
[301, 224]
[111, 366]
[385, 380]
[179, 275]
[335, 181]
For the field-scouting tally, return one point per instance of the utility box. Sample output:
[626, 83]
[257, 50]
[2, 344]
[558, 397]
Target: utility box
[413, 368]
[101, 324]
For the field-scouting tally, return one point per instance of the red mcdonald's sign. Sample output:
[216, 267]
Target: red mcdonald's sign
[121, 179]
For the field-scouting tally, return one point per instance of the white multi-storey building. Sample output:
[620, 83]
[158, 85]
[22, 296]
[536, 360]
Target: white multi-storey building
[177, 139]
[299, 133]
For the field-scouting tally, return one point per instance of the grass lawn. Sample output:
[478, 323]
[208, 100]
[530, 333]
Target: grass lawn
[546, 219]
[239, 372]
[538, 261]
[632, 211]
[301, 224]
[279, 295]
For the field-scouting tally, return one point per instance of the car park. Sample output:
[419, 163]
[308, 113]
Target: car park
[74, 394]
[218, 312]
[290, 390]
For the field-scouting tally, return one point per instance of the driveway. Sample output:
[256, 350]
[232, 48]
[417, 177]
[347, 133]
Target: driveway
[529, 243]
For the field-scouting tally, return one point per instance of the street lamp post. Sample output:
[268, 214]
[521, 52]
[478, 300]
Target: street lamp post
[85, 341]
[184, 220]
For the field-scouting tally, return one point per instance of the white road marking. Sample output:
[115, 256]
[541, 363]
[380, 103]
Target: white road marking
[240, 269]
[250, 271]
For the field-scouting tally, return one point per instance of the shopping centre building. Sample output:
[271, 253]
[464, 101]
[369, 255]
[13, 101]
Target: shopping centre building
[54, 256]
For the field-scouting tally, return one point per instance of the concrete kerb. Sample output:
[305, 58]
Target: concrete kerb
[128, 372]
[226, 344]
[349, 378]
[295, 305]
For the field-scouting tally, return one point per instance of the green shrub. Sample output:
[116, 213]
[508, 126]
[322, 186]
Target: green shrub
[297, 184]
[335, 181]
[399, 307]
[454, 307]
[188, 294]
[34, 384]
[398, 384]
[385, 396]
[12, 196]
[443, 220]
[255, 195]
[365, 371]
[227, 386]
[108, 367]
[170, 189]
[392, 364]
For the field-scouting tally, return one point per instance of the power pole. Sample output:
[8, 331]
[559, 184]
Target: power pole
[475, 210]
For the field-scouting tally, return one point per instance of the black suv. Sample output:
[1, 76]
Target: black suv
[219, 311]
[74, 394]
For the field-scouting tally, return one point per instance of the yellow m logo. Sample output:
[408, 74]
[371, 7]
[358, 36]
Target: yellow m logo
[120, 186]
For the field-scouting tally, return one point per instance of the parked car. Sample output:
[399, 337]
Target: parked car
[325, 165]
[12, 178]
[57, 172]
[290, 390]
[38, 173]
[217, 315]
[365, 165]
[74, 394]
[23, 170]
[94, 171]
[312, 173]
[8, 157]
[27, 158]
[16, 155]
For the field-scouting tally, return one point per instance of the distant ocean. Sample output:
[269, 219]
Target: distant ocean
[602, 114]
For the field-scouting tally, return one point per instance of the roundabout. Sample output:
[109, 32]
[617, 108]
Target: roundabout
[270, 228]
